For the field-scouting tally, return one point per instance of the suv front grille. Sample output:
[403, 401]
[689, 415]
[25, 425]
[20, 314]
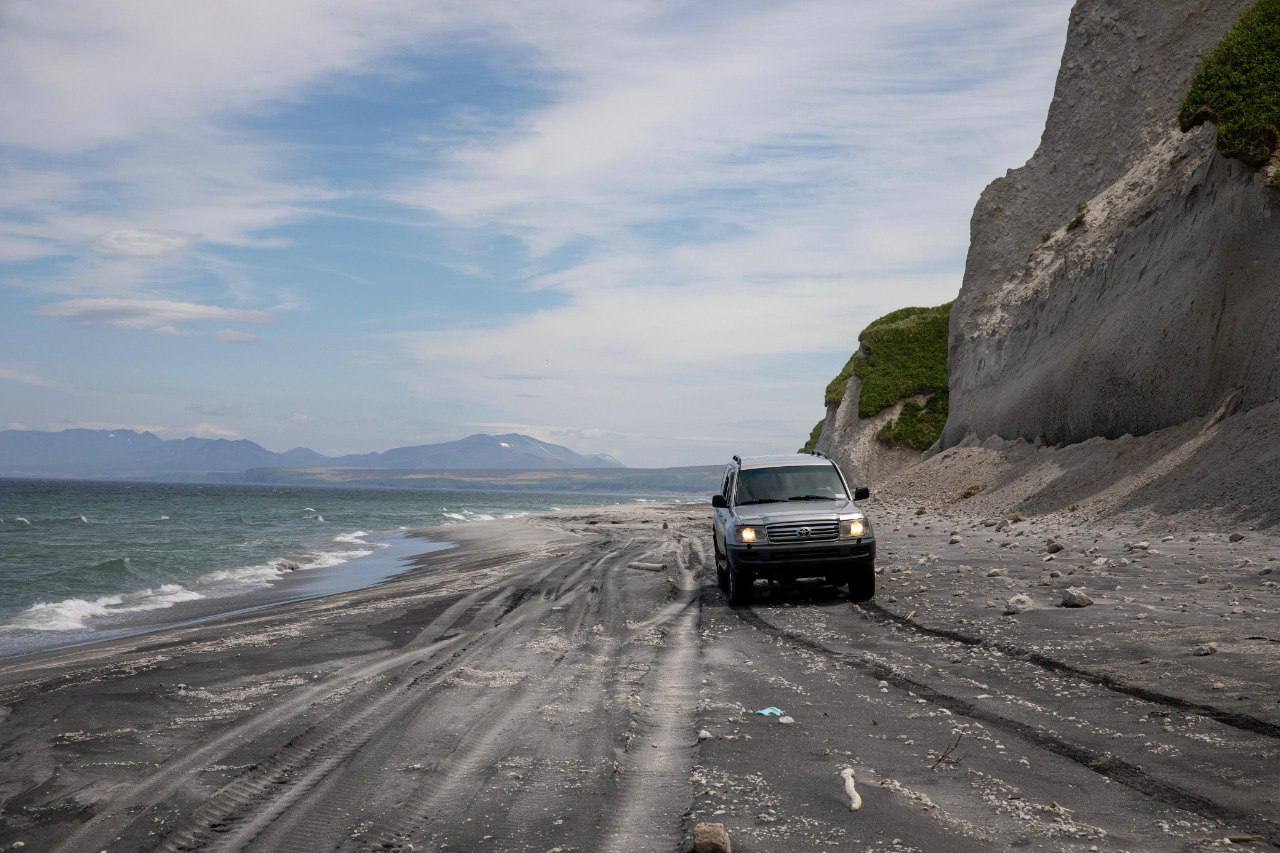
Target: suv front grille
[803, 531]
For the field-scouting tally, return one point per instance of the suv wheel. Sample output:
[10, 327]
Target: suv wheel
[862, 583]
[741, 582]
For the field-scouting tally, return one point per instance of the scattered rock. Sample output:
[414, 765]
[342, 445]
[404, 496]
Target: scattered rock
[711, 838]
[972, 490]
[1235, 537]
[1138, 546]
[1015, 517]
[1017, 604]
[1205, 649]
[1052, 547]
[787, 720]
[1202, 579]
[995, 573]
[1075, 596]
[954, 540]
[703, 734]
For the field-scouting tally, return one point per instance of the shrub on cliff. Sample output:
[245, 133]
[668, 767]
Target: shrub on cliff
[1238, 87]
[917, 426]
[901, 355]
[814, 434]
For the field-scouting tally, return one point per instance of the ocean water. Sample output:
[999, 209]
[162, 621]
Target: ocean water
[78, 558]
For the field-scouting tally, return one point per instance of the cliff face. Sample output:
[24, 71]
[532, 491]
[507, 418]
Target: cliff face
[1128, 277]
[851, 440]
[889, 404]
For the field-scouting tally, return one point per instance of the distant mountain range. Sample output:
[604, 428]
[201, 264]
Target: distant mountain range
[126, 454]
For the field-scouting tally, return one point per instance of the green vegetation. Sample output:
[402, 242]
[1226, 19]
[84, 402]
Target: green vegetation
[1237, 87]
[901, 355]
[835, 388]
[918, 427]
[894, 337]
[814, 434]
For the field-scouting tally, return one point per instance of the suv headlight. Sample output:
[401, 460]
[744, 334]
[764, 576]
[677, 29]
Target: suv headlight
[750, 535]
[855, 528]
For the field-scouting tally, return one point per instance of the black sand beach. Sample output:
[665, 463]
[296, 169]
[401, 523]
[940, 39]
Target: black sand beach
[576, 682]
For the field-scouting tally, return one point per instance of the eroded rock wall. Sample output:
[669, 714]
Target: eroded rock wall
[1128, 277]
[851, 440]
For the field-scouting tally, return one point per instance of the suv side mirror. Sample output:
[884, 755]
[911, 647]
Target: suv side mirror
[861, 493]
[719, 502]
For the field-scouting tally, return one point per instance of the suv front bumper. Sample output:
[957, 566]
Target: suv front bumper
[804, 560]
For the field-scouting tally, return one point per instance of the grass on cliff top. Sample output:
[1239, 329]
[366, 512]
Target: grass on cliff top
[917, 427]
[902, 354]
[814, 434]
[1238, 87]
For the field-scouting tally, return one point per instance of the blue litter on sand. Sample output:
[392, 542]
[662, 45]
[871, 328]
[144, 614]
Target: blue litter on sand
[770, 712]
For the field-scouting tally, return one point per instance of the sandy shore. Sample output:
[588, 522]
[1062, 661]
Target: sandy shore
[543, 685]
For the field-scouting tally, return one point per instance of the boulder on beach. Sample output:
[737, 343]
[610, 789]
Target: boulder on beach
[1017, 604]
[711, 838]
[1075, 596]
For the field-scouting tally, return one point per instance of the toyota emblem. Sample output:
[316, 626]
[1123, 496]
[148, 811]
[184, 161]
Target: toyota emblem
[804, 532]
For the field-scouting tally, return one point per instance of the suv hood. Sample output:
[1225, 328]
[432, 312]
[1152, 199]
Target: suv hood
[794, 510]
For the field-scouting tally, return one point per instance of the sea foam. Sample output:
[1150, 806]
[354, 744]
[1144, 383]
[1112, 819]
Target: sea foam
[72, 614]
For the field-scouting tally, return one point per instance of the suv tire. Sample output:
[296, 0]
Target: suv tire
[740, 583]
[862, 583]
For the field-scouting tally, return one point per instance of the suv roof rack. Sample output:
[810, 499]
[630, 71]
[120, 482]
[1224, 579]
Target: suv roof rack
[817, 453]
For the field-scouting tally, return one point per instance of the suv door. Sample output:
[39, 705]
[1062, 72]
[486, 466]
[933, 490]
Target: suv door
[721, 516]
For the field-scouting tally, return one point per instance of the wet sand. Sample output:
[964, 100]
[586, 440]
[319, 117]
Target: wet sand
[543, 686]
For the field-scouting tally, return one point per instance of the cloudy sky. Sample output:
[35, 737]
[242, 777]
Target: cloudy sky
[650, 229]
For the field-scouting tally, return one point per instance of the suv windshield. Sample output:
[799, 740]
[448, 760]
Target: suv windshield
[792, 483]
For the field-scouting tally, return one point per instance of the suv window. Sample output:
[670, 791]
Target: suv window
[790, 483]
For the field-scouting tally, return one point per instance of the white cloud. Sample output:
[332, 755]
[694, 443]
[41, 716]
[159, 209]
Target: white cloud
[235, 336]
[156, 315]
[24, 375]
[749, 189]
[81, 74]
[744, 185]
[137, 242]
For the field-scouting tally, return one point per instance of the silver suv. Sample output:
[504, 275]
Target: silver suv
[791, 517]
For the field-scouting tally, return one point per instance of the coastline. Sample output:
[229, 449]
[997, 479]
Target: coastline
[87, 561]
[543, 685]
[389, 560]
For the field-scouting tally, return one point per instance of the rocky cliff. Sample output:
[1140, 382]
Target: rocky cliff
[889, 404]
[1127, 278]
